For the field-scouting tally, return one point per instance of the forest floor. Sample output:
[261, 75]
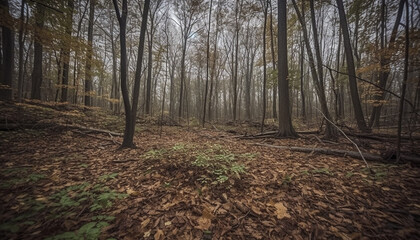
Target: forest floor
[60, 182]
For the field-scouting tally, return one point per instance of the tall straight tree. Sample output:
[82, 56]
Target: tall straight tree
[354, 93]
[8, 54]
[238, 8]
[152, 30]
[38, 52]
[66, 49]
[207, 66]
[88, 71]
[405, 77]
[187, 13]
[329, 130]
[273, 58]
[285, 121]
[21, 48]
[130, 110]
[264, 4]
[385, 59]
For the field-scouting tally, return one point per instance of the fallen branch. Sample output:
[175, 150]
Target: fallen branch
[341, 153]
[381, 136]
[339, 129]
[271, 134]
[93, 130]
[96, 137]
[335, 152]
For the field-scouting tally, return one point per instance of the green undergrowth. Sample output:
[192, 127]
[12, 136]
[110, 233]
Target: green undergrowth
[212, 163]
[68, 203]
[15, 177]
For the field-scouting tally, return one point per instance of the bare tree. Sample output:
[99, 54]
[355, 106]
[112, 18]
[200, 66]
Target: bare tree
[130, 111]
[354, 93]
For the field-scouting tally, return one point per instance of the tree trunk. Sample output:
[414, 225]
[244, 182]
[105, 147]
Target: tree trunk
[329, 131]
[8, 41]
[149, 70]
[207, 66]
[115, 97]
[385, 61]
[88, 71]
[358, 113]
[285, 121]
[236, 63]
[38, 52]
[181, 90]
[66, 51]
[273, 58]
[21, 49]
[122, 20]
[265, 6]
[404, 83]
[302, 92]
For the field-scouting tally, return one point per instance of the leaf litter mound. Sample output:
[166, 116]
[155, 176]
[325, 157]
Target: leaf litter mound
[191, 184]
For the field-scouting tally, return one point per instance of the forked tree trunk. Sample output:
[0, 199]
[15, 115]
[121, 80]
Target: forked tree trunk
[329, 131]
[358, 113]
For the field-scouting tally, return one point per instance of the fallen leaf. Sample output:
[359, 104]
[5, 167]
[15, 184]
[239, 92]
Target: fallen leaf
[144, 223]
[159, 235]
[168, 223]
[132, 192]
[281, 211]
[203, 223]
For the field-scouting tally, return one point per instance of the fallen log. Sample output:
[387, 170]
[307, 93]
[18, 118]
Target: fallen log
[15, 126]
[270, 134]
[381, 136]
[335, 152]
[96, 130]
[341, 153]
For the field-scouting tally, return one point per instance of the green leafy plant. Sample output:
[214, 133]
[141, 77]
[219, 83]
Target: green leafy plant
[108, 176]
[178, 147]
[219, 165]
[287, 179]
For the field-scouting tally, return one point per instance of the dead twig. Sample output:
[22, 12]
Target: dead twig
[357, 147]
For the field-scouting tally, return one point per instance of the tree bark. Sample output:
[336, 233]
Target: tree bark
[88, 71]
[285, 121]
[21, 49]
[130, 111]
[207, 66]
[404, 83]
[265, 8]
[66, 51]
[358, 113]
[329, 131]
[385, 60]
[8, 47]
[273, 58]
[38, 52]
[302, 92]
